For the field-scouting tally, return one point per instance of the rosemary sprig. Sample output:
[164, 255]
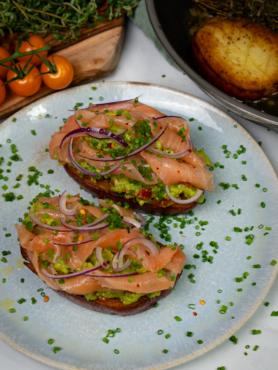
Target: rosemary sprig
[60, 18]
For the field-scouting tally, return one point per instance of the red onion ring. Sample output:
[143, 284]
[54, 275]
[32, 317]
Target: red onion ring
[177, 155]
[85, 227]
[114, 262]
[112, 275]
[68, 276]
[100, 259]
[99, 136]
[184, 201]
[142, 219]
[114, 102]
[143, 147]
[131, 222]
[104, 104]
[179, 117]
[148, 243]
[63, 207]
[87, 172]
[70, 244]
[94, 130]
[45, 226]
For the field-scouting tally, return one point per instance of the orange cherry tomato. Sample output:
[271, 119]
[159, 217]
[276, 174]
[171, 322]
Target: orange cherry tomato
[2, 92]
[29, 85]
[64, 75]
[3, 55]
[35, 42]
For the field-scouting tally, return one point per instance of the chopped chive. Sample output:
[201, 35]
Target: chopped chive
[254, 331]
[233, 339]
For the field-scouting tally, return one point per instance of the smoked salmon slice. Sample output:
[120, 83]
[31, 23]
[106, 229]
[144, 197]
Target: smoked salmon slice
[173, 172]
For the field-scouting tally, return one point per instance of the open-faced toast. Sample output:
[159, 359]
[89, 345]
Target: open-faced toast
[238, 56]
[129, 152]
[97, 257]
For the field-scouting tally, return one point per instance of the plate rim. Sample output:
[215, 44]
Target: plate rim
[267, 118]
[207, 105]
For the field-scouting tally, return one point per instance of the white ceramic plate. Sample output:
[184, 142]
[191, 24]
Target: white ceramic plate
[79, 332]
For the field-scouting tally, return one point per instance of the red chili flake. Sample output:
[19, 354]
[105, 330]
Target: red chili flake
[104, 264]
[179, 172]
[138, 285]
[195, 313]
[157, 168]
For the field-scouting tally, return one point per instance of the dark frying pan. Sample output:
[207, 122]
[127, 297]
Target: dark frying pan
[171, 21]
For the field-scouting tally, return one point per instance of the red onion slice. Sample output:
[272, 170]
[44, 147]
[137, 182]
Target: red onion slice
[100, 259]
[143, 147]
[142, 219]
[99, 136]
[148, 243]
[45, 226]
[63, 207]
[126, 264]
[114, 261]
[68, 276]
[179, 117]
[84, 227]
[114, 102]
[87, 172]
[121, 132]
[111, 275]
[108, 104]
[70, 244]
[177, 155]
[131, 222]
[184, 201]
[94, 130]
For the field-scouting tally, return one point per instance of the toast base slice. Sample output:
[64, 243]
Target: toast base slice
[102, 190]
[111, 306]
[237, 56]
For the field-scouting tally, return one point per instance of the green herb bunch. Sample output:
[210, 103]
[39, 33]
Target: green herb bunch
[60, 18]
[264, 12]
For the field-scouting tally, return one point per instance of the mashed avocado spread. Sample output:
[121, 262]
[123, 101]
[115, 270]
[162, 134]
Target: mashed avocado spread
[126, 297]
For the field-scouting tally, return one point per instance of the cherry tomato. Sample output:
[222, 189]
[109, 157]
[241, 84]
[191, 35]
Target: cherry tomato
[2, 92]
[64, 75]
[35, 42]
[29, 85]
[3, 55]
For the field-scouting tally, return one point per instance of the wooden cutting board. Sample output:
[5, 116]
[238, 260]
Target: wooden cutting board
[94, 55]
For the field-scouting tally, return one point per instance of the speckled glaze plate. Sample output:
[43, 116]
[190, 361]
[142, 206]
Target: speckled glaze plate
[79, 332]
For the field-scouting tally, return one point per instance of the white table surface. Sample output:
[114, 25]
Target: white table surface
[140, 61]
